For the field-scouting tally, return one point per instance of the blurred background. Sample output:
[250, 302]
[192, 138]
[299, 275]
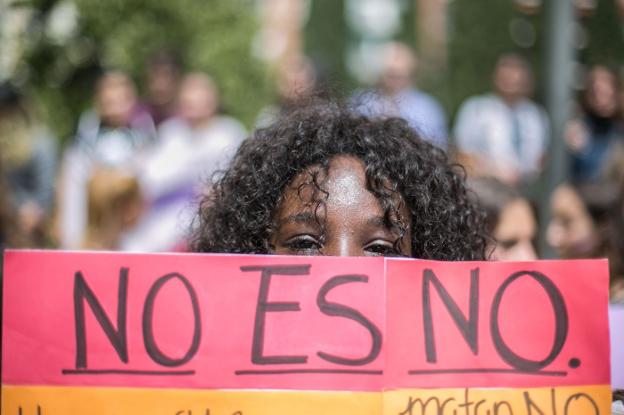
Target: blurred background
[56, 49]
[114, 113]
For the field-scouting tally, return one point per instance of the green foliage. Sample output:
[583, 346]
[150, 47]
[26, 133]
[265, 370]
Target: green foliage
[480, 32]
[210, 35]
[326, 37]
[606, 35]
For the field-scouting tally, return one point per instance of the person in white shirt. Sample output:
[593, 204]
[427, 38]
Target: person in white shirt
[504, 134]
[116, 133]
[193, 146]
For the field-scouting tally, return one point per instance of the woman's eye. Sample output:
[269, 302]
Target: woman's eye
[382, 249]
[303, 245]
[508, 243]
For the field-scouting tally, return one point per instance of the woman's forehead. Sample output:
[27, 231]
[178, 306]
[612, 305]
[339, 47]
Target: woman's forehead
[342, 181]
[341, 187]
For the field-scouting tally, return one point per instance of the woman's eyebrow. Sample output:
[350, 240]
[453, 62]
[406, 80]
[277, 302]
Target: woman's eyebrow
[377, 221]
[303, 217]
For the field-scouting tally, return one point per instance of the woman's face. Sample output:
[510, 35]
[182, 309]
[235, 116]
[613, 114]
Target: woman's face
[602, 93]
[197, 99]
[515, 232]
[116, 99]
[571, 230]
[348, 222]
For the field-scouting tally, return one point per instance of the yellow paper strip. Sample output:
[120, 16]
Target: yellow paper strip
[133, 401]
[42, 400]
[578, 400]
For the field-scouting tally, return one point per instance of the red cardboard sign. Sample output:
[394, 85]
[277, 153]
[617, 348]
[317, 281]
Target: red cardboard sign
[303, 323]
[453, 324]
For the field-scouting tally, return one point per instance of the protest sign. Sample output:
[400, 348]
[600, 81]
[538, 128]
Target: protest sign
[182, 334]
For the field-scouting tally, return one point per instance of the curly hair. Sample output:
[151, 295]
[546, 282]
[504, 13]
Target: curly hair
[238, 215]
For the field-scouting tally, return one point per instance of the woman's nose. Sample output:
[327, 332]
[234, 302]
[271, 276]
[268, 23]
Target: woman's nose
[342, 246]
[554, 235]
[526, 251]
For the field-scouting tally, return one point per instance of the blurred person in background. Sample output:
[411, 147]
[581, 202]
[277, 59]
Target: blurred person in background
[10, 235]
[617, 248]
[592, 135]
[509, 219]
[119, 125]
[116, 133]
[163, 71]
[193, 146]
[617, 407]
[503, 133]
[28, 155]
[398, 97]
[115, 205]
[588, 222]
[8, 232]
[296, 80]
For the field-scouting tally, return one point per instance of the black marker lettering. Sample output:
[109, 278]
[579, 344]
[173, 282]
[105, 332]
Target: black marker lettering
[264, 306]
[117, 337]
[19, 410]
[561, 323]
[499, 404]
[469, 327]
[477, 406]
[339, 310]
[467, 403]
[578, 396]
[148, 323]
[553, 401]
[425, 404]
[530, 405]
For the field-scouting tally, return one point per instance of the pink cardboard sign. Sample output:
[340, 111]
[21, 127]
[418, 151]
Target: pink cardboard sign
[304, 323]
[497, 323]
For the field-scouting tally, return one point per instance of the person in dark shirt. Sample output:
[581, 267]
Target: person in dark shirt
[592, 136]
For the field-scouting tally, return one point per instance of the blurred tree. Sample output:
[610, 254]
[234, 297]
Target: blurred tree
[326, 37]
[210, 35]
[605, 35]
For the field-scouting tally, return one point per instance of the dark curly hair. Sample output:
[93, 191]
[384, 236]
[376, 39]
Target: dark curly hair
[238, 214]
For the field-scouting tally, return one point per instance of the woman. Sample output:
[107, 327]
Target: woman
[588, 222]
[592, 136]
[324, 181]
[199, 141]
[117, 133]
[509, 219]
[28, 154]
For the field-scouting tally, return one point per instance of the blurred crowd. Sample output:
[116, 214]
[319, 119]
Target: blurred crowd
[502, 138]
[127, 179]
[130, 176]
